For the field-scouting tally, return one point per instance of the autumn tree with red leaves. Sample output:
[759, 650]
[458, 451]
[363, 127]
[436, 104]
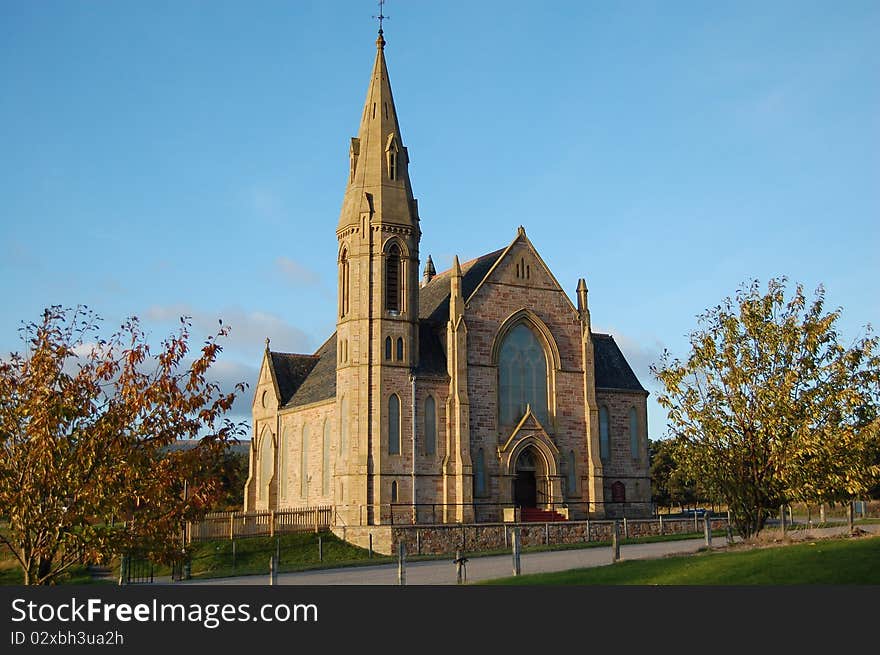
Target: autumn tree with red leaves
[85, 428]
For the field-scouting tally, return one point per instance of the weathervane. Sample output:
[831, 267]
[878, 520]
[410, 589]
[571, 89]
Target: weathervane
[381, 16]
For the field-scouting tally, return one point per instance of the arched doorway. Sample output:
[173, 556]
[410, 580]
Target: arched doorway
[525, 484]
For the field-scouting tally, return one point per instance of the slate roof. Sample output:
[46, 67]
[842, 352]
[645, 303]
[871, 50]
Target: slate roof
[290, 370]
[304, 379]
[434, 296]
[610, 366]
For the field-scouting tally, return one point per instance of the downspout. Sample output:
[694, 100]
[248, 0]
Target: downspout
[412, 380]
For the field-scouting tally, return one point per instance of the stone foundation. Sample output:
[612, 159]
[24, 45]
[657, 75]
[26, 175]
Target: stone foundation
[447, 538]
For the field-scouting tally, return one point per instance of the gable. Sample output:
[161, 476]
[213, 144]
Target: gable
[320, 382]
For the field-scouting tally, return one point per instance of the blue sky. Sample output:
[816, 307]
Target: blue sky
[168, 158]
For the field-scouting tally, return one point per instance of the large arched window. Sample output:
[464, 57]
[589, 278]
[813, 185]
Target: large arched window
[325, 460]
[394, 425]
[343, 425]
[480, 474]
[267, 463]
[634, 432]
[522, 376]
[430, 426]
[304, 464]
[387, 347]
[343, 284]
[392, 279]
[604, 441]
[399, 348]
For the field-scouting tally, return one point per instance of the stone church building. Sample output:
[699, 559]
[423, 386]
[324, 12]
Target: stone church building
[476, 394]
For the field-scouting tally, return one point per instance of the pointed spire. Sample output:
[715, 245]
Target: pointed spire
[379, 162]
[456, 302]
[583, 306]
[430, 271]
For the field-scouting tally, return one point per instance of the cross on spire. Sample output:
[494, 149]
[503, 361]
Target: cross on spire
[381, 17]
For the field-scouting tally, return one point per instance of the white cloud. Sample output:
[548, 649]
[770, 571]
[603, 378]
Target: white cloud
[248, 330]
[296, 274]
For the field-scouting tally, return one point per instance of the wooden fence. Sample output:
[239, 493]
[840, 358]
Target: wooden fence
[230, 525]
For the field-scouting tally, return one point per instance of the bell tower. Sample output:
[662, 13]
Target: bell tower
[377, 319]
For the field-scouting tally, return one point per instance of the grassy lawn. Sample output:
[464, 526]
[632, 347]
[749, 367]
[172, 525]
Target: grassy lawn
[833, 561]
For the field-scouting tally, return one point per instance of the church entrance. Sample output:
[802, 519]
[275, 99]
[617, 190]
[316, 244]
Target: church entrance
[525, 487]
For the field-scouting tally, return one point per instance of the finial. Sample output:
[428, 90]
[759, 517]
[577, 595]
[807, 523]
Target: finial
[267, 343]
[456, 267]
[430, 271]
[380, 42]
[521, 231]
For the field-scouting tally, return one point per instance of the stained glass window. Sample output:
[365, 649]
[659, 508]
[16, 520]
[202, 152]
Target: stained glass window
[522, 376]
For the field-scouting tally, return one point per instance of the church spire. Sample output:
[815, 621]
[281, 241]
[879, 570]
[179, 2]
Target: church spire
[378, 183]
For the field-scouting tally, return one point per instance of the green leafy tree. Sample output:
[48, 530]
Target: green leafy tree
[770, 407]
[85, 425]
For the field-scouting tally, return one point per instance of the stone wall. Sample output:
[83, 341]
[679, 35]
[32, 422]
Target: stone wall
[470, 538]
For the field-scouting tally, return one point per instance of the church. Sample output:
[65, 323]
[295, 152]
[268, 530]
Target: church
[477, 394]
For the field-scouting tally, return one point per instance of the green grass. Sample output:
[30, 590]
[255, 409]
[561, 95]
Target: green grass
[832, 561]
[299, 552]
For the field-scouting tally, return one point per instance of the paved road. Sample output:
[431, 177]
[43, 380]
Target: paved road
[442, 572]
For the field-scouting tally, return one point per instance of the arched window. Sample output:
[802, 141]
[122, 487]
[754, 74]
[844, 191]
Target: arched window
[392, 279]
[399, 348]
[634, 432]
[325, 461]
[304, 464]
[394, 491]
[572, 474]
[604, 442]
[480, 474]
[522, 376]
[343, 284]
[387, 347]
[430, 426]
[267, 463]
[282, 464]
[343, 425]
[394, 425]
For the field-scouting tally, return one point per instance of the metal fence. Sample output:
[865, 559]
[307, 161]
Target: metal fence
[229, 525]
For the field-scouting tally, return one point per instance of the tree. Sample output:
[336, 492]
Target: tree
[85, 423]
[770, 407]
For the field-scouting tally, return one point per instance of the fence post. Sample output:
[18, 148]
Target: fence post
[418, 542]
[625, 528]
[460, 568]
[320, 550]
[589, 533]
[233, 554]
[278, 550]
[546, 534]
[371, 545]
[615, 542]
[232, 526]
[707, 530]
[822, 513]
[316, 520]
[850, 515]
[506, 537]
[782, 519]
[661, 524]
[271, 522]
[401, 564]
[516, 546]
[123, 569]
[696, 524]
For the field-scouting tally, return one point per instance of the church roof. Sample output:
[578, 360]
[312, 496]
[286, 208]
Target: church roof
[434, 296]
[304, 379]
[610, 366]
[290, 369]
